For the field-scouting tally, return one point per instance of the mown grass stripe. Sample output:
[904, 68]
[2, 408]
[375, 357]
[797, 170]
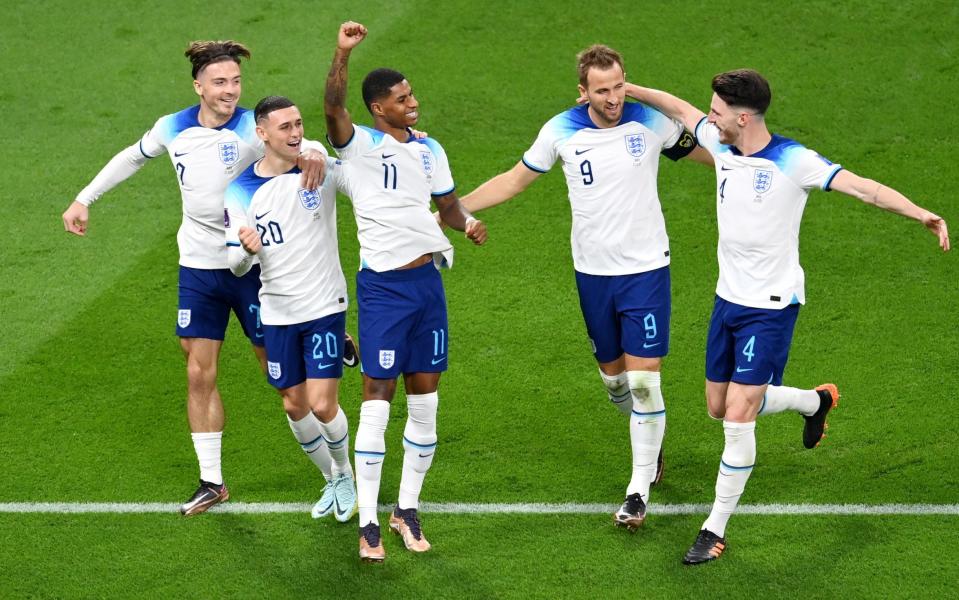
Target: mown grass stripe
[507, 508]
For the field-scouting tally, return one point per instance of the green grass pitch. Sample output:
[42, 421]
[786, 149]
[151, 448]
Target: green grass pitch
[92, 385]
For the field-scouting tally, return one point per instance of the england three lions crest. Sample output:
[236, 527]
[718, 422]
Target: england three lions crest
[387, 358]
[427, 159]
[310, 199]
[762, 180]
[229, 153]
[274, 369]
[636, 144]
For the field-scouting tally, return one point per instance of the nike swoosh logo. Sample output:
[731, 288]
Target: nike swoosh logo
[258, 217]
[385, 156]
[578, 152]
[646, 346]
[739, 370]
[375, 462]
[438, 361]
[722, 168]
[426, 455]
[179, 154]
[349, 361]
[322, 366]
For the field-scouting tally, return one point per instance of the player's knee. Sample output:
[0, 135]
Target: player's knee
[200, 376]
[325, 409]
[647, 394]
[294, 409]
[421, 424]
[616, 385]
[715, 413]
[378, 389]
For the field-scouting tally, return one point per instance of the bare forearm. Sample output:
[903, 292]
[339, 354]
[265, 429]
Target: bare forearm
[499, 189]
[453, 213]
[336, 81]
[669, 105]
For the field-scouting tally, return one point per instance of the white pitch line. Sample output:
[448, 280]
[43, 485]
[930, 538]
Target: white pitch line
[474, 509]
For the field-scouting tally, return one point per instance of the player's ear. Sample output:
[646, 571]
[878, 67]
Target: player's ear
[261, 133]
[376, 109]
[197, 88]
[582, 90]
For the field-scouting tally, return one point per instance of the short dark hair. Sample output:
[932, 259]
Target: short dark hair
[267, 105]
[377, 85]
[599, 56]
[745, 88]
[203, 53]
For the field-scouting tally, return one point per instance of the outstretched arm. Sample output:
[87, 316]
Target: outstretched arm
[127, 162]
[501, 188]
[669, 105]
[873, 192]
[338, 123]
[453, 213]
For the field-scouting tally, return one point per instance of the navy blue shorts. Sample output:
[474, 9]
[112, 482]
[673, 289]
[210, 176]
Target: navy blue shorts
[311, 350]
[208, 295]
[626, 313]
[402, 321]
[749, 345]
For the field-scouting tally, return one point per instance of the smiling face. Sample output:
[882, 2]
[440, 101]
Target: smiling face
[400, 108]
[729, 120]
[218, 85]
[282, 132]
[605, 90]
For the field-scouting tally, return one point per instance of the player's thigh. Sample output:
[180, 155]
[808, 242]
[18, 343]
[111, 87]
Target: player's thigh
[322, 346]
[599, 314]
[428, 342]
[720, 345]
[284, 355]
[245, 302]
[644, 305]
[762, 341]
[387, 310]
[203, 311]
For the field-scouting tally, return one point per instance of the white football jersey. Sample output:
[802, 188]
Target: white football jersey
[759, 205]
[618, 225]
[300, 262]
[391, 185]
[205, 160]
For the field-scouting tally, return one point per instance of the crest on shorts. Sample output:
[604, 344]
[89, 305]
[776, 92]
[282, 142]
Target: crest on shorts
[427, 159]
[183, 317]
[310, 199]
[229, 153]
[274, 369]
[387, 358]
[762, 180]
[636, 144]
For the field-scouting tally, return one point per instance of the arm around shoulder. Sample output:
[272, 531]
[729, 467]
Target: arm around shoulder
[669, 105]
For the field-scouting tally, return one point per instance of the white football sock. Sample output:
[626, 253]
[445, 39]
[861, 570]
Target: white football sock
[337, 435]
[781, 398]
[308, 433]
[739, 456]
[370, 452]
[646, 427]
[617, 388]
[419, 441]
[207, 446]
